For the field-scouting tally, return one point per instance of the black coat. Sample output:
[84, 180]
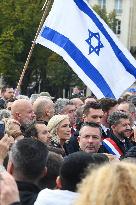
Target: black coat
[72, 145]
[28, 192]
[2, 103]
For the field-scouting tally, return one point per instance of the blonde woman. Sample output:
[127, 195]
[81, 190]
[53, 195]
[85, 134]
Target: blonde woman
[113, 184]
[59, 128]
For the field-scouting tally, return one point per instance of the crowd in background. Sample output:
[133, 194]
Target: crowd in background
[67, 151]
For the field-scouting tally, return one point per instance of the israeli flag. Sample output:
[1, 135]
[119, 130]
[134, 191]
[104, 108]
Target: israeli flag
[83, 39]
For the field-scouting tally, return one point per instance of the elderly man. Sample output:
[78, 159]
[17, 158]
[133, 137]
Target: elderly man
[89, 99]
[44, 109]
[63, 106]
[22, 111]
[22, 117]
[77, 102]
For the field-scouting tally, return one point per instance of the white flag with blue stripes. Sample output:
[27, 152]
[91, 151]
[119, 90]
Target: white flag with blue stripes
[82, 38]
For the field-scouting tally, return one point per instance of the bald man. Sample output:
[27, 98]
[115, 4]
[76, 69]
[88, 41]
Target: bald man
[22, 111]
[22, 116]
[44, 109]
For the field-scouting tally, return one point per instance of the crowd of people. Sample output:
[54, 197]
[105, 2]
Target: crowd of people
[67, 151]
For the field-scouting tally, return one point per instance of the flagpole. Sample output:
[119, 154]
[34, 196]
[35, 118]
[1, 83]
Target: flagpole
[46, 8]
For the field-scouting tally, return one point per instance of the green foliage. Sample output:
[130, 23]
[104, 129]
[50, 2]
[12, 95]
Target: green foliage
[60, 73]
[18, 25]
[109, 18]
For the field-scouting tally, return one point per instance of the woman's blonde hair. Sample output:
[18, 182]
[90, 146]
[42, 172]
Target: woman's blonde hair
[53, 125]
[112, 184]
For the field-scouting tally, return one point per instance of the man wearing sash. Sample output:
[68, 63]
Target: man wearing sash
[117, 142]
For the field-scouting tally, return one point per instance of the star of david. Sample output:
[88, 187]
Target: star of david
[90, 42]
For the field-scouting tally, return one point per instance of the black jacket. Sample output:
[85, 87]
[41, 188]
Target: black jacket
[72, 145]
[2, 103]
[28, 192]
[124, 147]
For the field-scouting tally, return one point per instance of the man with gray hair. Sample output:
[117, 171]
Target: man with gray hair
[129, 108]
[117, 142]
[65, 107]
[60, 104]
[44, 109]
[4, 114]
[27, 163]
[77, 102]
[33, 98]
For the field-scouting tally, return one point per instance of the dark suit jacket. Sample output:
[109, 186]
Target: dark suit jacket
[124, 147]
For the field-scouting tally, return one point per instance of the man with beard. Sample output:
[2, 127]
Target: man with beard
[7, 93]
[22, 117]
[117, 142]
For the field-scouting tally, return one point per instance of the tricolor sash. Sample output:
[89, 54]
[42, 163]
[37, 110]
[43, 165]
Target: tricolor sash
[112, 147]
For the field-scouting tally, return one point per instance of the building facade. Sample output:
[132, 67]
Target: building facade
[126, 19]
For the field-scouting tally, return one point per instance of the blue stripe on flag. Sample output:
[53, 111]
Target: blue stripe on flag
[108, 148]
[119, 54]
[79, 58]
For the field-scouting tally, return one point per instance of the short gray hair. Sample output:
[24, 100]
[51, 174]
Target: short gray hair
[22, 97]
[115, 117]
[131, 107]
[60, 104]
[4, 114]
[39, 106]
[34, 97]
